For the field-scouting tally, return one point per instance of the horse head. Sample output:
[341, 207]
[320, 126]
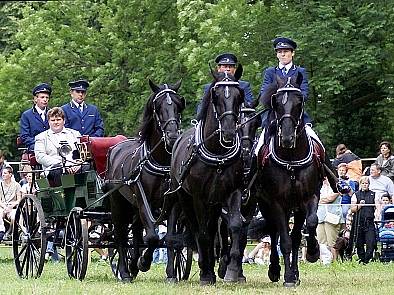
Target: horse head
[249, 123]
[288, 105]
[167, 106]
[226, 98]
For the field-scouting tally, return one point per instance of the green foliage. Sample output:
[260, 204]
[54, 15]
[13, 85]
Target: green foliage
[346, 47]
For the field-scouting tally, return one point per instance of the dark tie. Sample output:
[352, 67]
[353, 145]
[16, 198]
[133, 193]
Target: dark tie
[81, 108]
[284, 71]
[43, 117]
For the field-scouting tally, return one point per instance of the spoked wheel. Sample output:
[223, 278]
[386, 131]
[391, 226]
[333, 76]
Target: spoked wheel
[76, 245]
[29, 238]
[183, 256]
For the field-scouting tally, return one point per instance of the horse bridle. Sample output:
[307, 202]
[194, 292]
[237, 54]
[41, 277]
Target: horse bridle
[226, 82]
[296, 121]
[169, 101]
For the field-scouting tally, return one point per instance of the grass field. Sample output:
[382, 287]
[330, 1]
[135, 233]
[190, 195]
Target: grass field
[346, 278]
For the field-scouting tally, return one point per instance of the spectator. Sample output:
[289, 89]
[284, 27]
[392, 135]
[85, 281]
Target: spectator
[379, 183]
[346, 187]
[47, 147]
[10, 194]
[329, 215]
[3, 164]
[363, 203]
[354, 165]
[28, 187]
[385, 200]
[80, 116]
[386, 160]
[34, 120]
[261, 253]
[160, 254]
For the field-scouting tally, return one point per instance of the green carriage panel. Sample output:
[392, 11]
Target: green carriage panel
[77, 190]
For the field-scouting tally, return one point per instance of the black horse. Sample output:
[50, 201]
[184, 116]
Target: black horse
[289, 178]
[140, 168]
[249, 122]
[206, 169]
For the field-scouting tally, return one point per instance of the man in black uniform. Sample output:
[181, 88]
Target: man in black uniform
[363, 205]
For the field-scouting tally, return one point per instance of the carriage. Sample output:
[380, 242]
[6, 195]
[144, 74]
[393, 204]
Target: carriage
[78, 214]
[66, 215]
[75, 216]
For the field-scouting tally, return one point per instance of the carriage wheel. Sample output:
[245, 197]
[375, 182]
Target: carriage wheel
[29, 238]
[76, 244]
[183, 256]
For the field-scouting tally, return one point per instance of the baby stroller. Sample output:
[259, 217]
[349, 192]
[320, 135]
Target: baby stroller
[385, 234]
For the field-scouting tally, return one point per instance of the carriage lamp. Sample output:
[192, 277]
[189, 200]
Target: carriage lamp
[65, 149]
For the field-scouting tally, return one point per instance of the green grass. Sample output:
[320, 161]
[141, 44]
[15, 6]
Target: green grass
[346, 278]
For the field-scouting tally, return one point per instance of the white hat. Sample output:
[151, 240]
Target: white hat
[266, 239]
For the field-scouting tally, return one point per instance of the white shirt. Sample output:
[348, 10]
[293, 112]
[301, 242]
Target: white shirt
[41, 112]
[287, 67]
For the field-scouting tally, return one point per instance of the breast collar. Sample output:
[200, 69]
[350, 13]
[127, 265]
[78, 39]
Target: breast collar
[291, 164]
[150, 164]
[213, 159]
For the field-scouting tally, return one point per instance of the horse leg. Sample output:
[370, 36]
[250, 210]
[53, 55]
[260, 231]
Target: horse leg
[224, 247]
[296, 236]
[120, 209]
[285, 243]
[151, 239]
[207, 225]
[313, 250]
[172, 243]
[235, 226]
[274, 267]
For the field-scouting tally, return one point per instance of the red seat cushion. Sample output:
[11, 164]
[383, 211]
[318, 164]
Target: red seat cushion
[99, 147]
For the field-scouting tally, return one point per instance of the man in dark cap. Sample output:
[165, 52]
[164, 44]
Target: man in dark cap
[34, 120]
[227, 62]
[81, 116]
[285, 51]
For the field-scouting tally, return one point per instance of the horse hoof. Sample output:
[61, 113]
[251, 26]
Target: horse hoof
[231, 276]
[172, 280]
[142, 265]
[274, 276]
[207, 283]
[290, 284]
[208, 280]
[126, 279]
[312, 258]
[242, 279]
[222, 268]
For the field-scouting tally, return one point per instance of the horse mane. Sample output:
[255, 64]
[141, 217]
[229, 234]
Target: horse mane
[205, 103]
[265, 97]
[147, 125]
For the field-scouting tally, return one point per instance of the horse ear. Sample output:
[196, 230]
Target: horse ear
[279, 81]
[213, 72]
[177, 85]
[299, 79]
[238, 72]
[153, 86]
